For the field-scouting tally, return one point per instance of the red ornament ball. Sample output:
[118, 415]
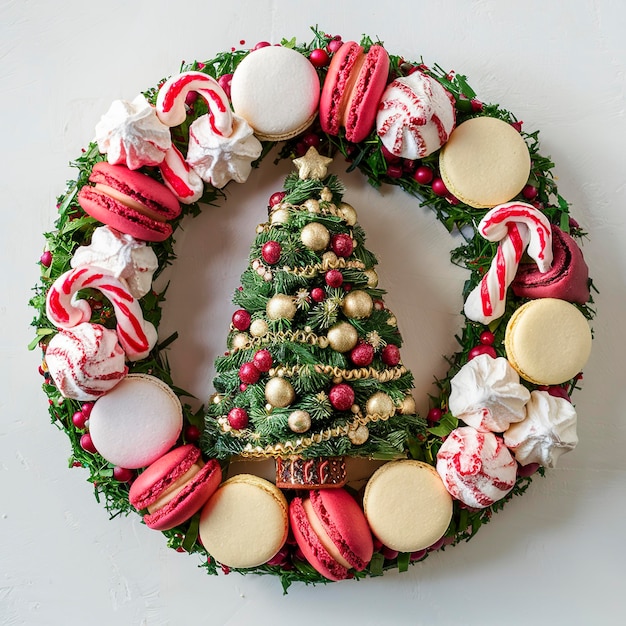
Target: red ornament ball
[318, 294]
[390, 355]
[481, 349]
[241, 319]
[319, 57]
[423, 175]
[341, 397]
[249, 373]
[334, 278]
[263, 360]
[277, 198]
[362, 355]
[271, 252]
[342, 245]
[238, 418]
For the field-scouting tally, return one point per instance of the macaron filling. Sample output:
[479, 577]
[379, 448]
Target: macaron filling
[129, 202]
[174, 488]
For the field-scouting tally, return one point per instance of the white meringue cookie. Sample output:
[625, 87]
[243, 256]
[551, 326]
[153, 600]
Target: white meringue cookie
[218, 159]
[122, 256]
[131, 133]
[486, 393]
[547, 432]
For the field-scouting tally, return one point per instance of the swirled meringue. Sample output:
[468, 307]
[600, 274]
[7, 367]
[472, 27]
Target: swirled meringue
[476, 468]
[131, 133]
[85, 361]
[547, 432]
[486, 393]
[218, 159]
[122, 256]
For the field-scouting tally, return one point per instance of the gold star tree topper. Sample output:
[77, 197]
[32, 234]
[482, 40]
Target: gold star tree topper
[312, 165]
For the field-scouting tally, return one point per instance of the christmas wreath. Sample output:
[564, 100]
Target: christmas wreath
[313, 374]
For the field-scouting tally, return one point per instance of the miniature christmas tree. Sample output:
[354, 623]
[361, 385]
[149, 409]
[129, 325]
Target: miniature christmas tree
[313, 370]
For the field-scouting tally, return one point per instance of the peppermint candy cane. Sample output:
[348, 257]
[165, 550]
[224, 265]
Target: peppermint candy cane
[184, 183]
[170, 104]
[517, 226]
[65, 310]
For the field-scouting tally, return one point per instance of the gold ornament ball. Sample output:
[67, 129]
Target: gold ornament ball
[342, 337]
[315, 236]
[380, 404]
[357, 304]
[348, 213]
[408, 406]
[259, 328]
[239, 341]
[299, 421]
[281, 306]
[372, 278]
[359, 435]
[279, 216]
[312, 205]
[279, 392]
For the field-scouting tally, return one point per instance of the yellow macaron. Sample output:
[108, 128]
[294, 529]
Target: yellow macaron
[485, 162]
[547, 341]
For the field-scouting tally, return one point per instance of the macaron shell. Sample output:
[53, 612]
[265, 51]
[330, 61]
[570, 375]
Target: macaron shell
[136, 422]
[485, 162]
[244, 524]
[276, 90]
[548, 341]
[407, 505]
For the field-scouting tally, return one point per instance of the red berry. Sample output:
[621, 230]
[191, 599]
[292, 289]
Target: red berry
[530, 192]
[341, 396]
[362, 355]
[190, 98]
[390, 355]
[557, 391]
[271, 252]
[487, 338]
[334, 44]
[439, 187]
[423, 175]
[263, 360]
[319, 57]
[238, 418]
[318, 294]
[225, 82]
[390, 157]
[311, 140]
[241, 319]
[388, 553]
[86, 408]
[46, 258]
[261, 44]
[79, 420]
[394, 171]
[276, 198]
[249, 373]
[527, 470]
[418, 555]
[87, 444]
[342, 245]
[438, 544]
[477, 105]
[123, 474]
[192, 433]
[334, 278]
[481, 349]
[434, 414]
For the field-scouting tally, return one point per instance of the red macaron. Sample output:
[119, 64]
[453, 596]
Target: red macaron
[353, 87]
[175, 487]
[331, 531]
[130, 202]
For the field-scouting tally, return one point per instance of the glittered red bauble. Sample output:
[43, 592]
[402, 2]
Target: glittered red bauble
[318, 294]
[341, 397]
[263, 360]
[271, 252]
[342, 245]
[334, 278]
[482, 349]
[238, 418]
[276, 198]
[249, 373]
[362, 355]
[241, 319]
[390, 355]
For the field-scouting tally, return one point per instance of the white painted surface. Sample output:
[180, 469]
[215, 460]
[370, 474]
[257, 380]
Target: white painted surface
[552, 557]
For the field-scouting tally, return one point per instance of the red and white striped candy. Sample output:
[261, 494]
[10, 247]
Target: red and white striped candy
[170, 105]
[136, 336]
[182, 181]
[517, 226]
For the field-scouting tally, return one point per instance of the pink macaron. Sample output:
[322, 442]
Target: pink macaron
[130, 202]
[352, 90]
[331, 531]
[175, 487]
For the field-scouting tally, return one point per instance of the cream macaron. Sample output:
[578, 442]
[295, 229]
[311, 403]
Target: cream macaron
[407, 505]
[548, 341]
[485, 162]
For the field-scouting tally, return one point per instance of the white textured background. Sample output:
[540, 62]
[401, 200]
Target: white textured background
[554, 556]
